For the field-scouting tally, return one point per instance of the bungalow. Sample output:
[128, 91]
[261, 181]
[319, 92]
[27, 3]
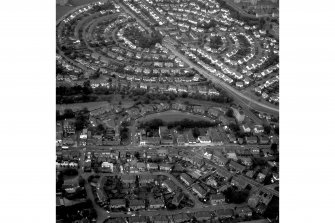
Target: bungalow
[216, 199]
[199, 190]
[239, 182]
[136, 204]
[186, 179]
[156, 203]
[117, 203]
[203, 216]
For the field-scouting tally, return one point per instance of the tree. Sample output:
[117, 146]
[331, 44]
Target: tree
[230, 113]
[267, 129]
[196, 132]
[81, 181]
[236, 196]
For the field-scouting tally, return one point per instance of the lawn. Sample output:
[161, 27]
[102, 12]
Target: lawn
[172, 115]
[62, 10]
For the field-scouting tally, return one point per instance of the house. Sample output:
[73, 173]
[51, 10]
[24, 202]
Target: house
[199, 109]
[246, 128]
[236, 166]
[258, 129]
[199, 190]
[239, 84]
[141, 166]
[204, 139]
[250, 174]
[149, 140]
[251, 140]
[186, 179]
[218, 158]
[152, 166]
[255, 151]
[165, 167]
[156, 203]
[216, 199]
[213, 112]
[143, 86]
[203, 216]
[243, 211]
[107, 165]
[146, 179]
[246, 161]
[136, 204]
[263, 140]
[128, 179]
[178, 218]
[224, 213]
[224, 174]
[181, 140]
[138, 219]
[117, 203]
[239, 182]
[162, 152]
[260, 177]
[239, 115]
[253, 200]
[177, 198]
[169, 185]
[160, 219]
[212, 91]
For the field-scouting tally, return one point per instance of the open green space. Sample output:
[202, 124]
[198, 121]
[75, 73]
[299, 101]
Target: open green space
[172, 115]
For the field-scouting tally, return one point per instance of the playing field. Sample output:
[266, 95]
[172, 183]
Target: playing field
[172, 115]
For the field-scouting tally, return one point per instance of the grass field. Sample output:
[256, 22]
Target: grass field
[79, 106]
[172, 115]
[62, 10]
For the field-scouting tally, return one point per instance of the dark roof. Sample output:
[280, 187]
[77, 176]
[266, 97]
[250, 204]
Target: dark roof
[237, 166]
